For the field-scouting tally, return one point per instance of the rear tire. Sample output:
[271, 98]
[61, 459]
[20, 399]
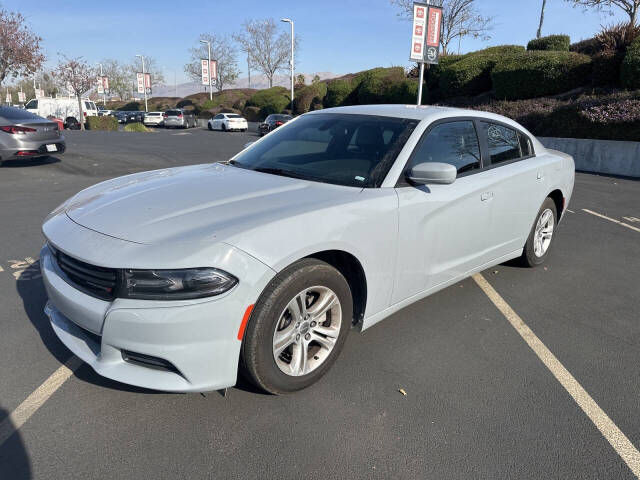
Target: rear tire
[541, 236]
[288, 346]
[223, 127]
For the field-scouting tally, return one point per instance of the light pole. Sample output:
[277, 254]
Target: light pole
[209, 66]
[104, 95]
[289, 21]
[249, 70]
[144, 84]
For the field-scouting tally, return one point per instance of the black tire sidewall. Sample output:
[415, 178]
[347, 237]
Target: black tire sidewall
[529, 256]
[258, 340]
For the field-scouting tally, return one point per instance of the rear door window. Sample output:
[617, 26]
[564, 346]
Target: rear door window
[455, 143]
[503, 143]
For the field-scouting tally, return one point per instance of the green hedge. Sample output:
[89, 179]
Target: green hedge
[434, 72]
[471, 75]
[337, 92]
[252, 114]
[535, 74]
[106, 122]
[606, 68]
[274, 98]
[559, 43]
[374, 85]
[307, 96]
[630, 70]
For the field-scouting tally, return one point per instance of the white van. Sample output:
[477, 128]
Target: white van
[61, 107]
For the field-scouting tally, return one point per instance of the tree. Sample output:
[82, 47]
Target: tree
[300, 80]
[268, 50]
[539, 32]
[119, 77]
[223, 51]
[20, 53]
[460, 18]
[315, 79]
[78, 77]
[630, 7]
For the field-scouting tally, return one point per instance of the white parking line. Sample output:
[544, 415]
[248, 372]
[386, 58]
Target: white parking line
[33, 402]
[611, 220]
[600, 419]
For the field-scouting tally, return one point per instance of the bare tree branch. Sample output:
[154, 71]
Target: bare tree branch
[20, 52]
[78, 77]
[221, 50]
[630, 7]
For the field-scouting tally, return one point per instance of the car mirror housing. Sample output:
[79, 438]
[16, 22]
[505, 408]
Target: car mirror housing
[432, 172]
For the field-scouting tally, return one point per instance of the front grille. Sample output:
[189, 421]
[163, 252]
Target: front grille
[96, 281]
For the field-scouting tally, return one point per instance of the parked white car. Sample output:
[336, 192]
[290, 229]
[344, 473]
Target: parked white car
[227, 122]
[61, 108]
[340, 217]
[154, 119]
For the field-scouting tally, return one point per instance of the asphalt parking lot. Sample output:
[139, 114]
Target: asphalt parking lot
[479, 401]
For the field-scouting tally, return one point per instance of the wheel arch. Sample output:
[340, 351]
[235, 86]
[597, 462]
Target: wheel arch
[558, 198]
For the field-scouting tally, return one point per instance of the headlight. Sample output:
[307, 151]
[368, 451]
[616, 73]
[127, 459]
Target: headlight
[176, 284]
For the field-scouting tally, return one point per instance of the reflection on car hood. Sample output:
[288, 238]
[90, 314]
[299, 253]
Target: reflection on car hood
[198, 203]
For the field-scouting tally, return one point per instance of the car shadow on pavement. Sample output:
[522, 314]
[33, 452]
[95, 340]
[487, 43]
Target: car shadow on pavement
[35, 162]
[14, 458]
[34, 297]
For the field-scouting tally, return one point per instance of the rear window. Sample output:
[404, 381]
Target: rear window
[502, 141]
[153, 114]
[11, 113]
[233, 115]
[173, 113]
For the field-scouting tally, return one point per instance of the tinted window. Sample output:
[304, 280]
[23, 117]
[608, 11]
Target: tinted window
[502, 141]
[525, 145]
[233, 115]
[33, 104]
[346, 149]
[455, 143]
[218, 117]
[11, 113]
[173, 113]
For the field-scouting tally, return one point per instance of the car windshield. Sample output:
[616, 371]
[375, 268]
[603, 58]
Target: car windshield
[344, 149]
[11, 113]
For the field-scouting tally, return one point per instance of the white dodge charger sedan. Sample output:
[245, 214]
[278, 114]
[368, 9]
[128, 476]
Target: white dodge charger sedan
[175, 278]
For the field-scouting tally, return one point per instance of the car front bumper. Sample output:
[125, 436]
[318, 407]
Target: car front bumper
[195, 341]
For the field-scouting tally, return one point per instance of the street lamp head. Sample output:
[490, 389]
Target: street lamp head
[286, 20]
[204, 41]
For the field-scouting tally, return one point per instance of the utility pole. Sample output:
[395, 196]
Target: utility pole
[249, 70]
[289, 21]
[209, 66]
[144, 84]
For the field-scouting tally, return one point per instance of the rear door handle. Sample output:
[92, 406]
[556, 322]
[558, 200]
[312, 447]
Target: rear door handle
[486, 196]
[540, 175]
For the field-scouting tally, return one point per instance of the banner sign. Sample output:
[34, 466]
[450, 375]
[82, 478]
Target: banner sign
[418, 32]
[434, 26]
[140, 80]
[100, 87]
[22, 97]
[205, 71]
[8, 98]
[214, 69]
[105, 83]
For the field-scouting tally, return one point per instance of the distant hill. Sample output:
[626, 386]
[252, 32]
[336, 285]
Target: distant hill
[257, 82]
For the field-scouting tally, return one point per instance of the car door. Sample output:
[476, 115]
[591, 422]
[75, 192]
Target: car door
[442, 228]
[516, 182]
[215, 124]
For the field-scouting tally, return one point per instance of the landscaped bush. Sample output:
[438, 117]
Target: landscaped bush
[106, 122]
[552, 42]
[374, 84]
[434, 72]
[252, 114]
[606, 68]
[630, 70]
[185, 102]
[471, 75]
[535, 74]
[270, 100]
[306, 96]
[130, 107]
[337, 92]
[405, 91]
[136, 127]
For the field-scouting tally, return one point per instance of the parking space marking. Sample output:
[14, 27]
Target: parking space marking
[611, 219]
[600, 419]
[33, 402]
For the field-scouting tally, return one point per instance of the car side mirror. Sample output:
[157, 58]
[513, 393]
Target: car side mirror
[432, 172]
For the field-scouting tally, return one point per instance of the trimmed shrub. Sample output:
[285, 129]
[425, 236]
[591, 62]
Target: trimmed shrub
[405, 91]
[130, 107]
[630, 70]
[559, 43]
[535, 74]
[136, 127]
[337, 92]
[374, 85]
[309, 95]
[252, 114]
[106, 122]
[590, 46]
[185, 102]
[434, 72]
[275, 98]
[606, 68]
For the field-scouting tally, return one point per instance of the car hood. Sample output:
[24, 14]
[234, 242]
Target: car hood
[201, 203]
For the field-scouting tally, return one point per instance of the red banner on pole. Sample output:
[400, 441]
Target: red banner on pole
[434, 24]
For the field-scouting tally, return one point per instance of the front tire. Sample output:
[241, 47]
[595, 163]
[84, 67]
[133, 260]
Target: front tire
[541, 236]
[209, 126]
[298, 327]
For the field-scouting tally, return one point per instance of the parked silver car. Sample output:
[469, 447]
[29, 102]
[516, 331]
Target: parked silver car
[26, 135]
[179, 118]
[340, 217]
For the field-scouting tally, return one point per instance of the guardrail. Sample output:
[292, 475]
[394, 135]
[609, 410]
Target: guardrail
[600, 156]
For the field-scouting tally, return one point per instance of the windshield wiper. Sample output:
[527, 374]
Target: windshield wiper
[283, 172]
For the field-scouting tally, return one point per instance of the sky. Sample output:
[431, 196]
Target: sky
[338, 36]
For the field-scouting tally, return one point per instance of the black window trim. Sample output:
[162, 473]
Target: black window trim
[482, 141]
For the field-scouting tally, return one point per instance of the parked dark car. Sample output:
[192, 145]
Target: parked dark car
[120, 116]
[272, 122]
[70, 123]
